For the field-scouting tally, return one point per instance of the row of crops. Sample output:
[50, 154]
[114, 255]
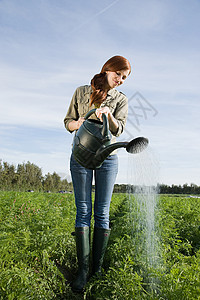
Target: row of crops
[38, 257]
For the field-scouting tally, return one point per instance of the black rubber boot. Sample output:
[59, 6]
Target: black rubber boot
[100, 241]
[82, 235]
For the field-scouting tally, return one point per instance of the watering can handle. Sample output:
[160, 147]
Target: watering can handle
[89, 113]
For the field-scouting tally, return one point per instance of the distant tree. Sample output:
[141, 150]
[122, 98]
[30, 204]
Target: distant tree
[195, 189]
[120, 188]
[163, 189]
[175, 189]
[65, 185]
[56, 181]
[186, 189]
[48, 183]
[21, 177]
[34, 176]
[29, 176]
[8, 176]
[52, 182]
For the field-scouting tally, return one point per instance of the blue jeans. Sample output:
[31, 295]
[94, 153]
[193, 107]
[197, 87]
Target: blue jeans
[82, 178]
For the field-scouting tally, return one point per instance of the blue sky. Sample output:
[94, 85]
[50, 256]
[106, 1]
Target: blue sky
[49, 47]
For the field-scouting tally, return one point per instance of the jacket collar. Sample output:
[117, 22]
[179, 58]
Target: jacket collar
[112, 93]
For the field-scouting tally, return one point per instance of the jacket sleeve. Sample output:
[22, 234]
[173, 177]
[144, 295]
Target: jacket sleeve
[72, 113]
[120, 114]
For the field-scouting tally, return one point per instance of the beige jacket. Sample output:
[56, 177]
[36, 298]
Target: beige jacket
[80, 105]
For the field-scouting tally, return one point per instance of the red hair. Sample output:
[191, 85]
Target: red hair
[98, 82]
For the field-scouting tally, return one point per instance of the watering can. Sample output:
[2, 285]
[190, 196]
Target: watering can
[92, 142]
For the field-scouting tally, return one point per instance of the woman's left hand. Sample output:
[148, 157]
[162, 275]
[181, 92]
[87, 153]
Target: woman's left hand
[102, 110]
[113, 125]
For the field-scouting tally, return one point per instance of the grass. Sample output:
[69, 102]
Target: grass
[38, 256]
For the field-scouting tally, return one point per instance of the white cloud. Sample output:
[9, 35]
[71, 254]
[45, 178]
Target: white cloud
[140, 16]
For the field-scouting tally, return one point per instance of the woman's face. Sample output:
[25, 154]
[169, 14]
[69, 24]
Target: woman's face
[117, 78]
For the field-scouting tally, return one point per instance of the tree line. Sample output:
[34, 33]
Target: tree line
[163, 189]
[179, 189]
[28, 176]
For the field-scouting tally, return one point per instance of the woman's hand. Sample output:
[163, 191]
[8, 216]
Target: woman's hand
[80, 122]
[102, 110]
[75, 125]
[113, 125]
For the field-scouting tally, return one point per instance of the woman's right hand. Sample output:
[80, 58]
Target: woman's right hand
[75, 125]
[80, 122]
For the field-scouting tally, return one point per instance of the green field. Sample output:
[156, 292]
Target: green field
[38, 257]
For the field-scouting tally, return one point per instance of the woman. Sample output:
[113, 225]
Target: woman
[103, 96]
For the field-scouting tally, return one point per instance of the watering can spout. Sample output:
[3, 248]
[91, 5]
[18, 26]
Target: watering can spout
[135, 146]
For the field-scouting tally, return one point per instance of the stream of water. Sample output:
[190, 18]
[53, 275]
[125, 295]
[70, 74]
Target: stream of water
[142, 190]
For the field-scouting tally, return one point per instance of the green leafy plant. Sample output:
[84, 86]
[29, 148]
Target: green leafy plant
[38, 256]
